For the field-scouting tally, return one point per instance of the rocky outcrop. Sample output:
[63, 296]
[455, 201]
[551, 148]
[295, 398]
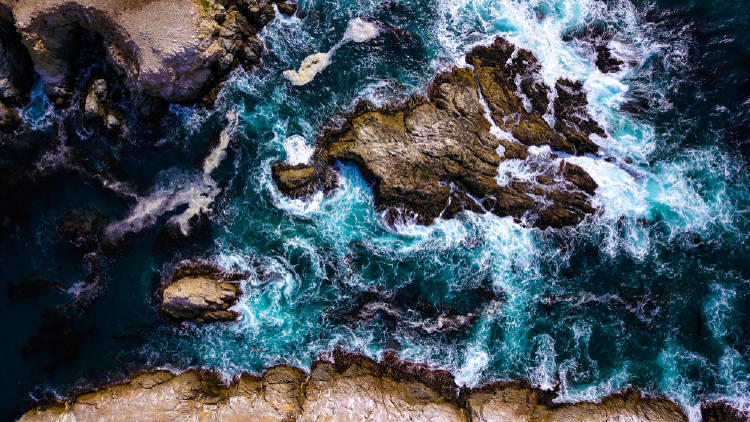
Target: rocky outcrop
[438, 155]
[97, 108]
[722, 412]
[16, 72]
[200, 292]
[163, 50]
[9, 118]
[16, 68]
[349, 387]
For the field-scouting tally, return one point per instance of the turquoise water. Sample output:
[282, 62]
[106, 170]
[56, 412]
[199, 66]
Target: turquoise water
[653, 291]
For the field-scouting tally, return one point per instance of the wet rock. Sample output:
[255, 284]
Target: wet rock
[435, 156]
[722, 412]
[287, 8]
[301, 180]
[9, 118]
[348, 387]
[516, 401]
[572, 119]
[200, 292]
[605, 61]
[93, 107]
[258, 12]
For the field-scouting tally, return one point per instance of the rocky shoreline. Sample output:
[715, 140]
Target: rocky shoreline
[341, 387]
[437, 155]
[162, 50]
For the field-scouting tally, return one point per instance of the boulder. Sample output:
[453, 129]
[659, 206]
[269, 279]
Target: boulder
[94, 104]
[286, 8]
[9, 118]
[200, 292]
[720, 411]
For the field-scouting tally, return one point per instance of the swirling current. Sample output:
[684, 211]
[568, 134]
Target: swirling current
[652, 291]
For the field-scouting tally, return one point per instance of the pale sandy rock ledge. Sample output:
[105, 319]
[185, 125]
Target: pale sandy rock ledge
[349, 387]
[171, 50]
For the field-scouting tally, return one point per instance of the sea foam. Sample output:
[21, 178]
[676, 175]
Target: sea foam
[358, 30]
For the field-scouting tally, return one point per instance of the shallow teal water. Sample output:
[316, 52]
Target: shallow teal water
[652, 292]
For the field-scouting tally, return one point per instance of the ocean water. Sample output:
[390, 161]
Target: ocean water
[653, 291]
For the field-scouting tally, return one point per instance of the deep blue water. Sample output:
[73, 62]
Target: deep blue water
[654, 291]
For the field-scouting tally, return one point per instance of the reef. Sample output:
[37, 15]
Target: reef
[342, 386]
[437, 155]
[200, 292]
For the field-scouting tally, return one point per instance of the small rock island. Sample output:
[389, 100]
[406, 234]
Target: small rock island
[438, 155]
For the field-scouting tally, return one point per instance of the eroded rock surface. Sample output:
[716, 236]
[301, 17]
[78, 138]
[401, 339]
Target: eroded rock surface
[167, 50]
[437, 156]
[200, 292]
[348, 388]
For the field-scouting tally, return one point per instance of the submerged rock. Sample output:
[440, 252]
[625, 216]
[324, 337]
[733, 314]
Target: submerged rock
[605, 61]
[200, 292]
[349, 387]
[286, 8]
[437, 156]
[97, 107]
[81, 227]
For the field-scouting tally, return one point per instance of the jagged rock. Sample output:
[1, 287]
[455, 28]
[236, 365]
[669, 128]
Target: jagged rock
[200, 292]
[436, 156]
[287, 8]
[16, 68]
[722, 412]
[515, 401]
[350, 387]
[605, 61]
[572, 118]
[93, 108]
[9, 118]
[97, 107]
[163, 50]
[300, 180]
[258, 12]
